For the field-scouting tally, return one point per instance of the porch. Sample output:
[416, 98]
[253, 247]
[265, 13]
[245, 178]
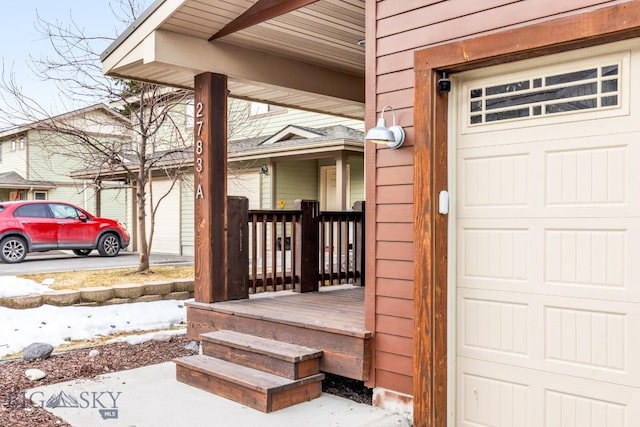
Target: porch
[331, 320]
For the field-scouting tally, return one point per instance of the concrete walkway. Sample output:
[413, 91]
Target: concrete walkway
[151, 396]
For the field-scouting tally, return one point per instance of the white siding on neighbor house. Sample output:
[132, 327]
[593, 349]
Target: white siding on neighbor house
[247, 184]
[112, 204]
[239, 184]
[187, 237]
[265, 183]
[74, 193]
[187, 211]
[45, 165]
[13, 161]
[132, 219]
[167, 218]
[296, 180]
[357, 179]
[272, 122]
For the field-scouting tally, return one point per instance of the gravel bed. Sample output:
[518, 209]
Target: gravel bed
[15, 412]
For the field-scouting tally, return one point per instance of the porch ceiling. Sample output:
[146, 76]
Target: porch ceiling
[307, 58]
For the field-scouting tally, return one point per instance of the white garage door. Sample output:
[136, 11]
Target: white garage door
[548, 242]
[166, 236]
[245, 184]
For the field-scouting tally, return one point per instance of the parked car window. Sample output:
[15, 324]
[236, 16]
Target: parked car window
[34, 211]
[64, 211]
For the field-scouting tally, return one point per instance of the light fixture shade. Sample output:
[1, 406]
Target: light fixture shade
[380, 134]
[392, 136]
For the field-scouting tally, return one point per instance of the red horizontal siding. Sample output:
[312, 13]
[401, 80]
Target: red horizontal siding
[400, 157]
[394, 269]
[395, 81]
[390, 362]
[395, 175]
[388, 8]
[397, 288]
[395, 62]
[394, 232]
[434, 14]
[398, 99]
[397, 307]
[473, 24]
[394, 344]
[394, 213]
[394, 194]
[394, 325]
[402, 251]
[394, 381]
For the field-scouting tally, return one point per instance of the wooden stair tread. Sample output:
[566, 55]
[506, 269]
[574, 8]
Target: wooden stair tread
[272, 348]
[250, 378]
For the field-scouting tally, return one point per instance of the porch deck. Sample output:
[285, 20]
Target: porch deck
[331, 320]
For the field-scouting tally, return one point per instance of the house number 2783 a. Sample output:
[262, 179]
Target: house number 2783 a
[199, 166]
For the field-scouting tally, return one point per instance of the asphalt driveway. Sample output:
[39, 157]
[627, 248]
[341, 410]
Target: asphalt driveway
[55, 261]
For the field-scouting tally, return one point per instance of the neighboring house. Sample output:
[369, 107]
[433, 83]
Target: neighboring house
[514, 298]
[34, 167]
[286, 162]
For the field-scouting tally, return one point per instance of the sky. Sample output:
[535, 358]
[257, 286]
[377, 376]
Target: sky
[21, 41]
[56, 325]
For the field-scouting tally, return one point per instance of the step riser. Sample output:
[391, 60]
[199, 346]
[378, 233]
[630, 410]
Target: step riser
[222, 388]
[291, 370]
[265, 402]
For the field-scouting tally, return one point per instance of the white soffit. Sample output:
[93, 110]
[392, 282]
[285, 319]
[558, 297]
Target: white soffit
[305, 59]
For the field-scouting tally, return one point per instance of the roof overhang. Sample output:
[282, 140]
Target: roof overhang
[35, 186]
[315, 150]
[307, 58]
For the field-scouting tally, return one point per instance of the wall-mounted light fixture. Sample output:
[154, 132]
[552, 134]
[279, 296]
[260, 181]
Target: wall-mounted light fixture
[264, 170]
[392, 136]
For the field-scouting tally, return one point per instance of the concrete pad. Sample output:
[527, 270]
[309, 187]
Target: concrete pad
[151, 396]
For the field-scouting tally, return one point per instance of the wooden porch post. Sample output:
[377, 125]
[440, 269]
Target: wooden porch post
[307, 245]
[210, 183]
[341, 181]
[238, 248]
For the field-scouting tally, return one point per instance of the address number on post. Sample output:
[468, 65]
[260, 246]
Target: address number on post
[199, 163]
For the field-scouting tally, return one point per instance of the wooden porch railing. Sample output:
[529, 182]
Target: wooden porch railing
[342, 246]
[271, 261]
[303, 248]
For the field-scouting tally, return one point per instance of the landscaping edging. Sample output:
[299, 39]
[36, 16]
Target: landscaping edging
[106, 295]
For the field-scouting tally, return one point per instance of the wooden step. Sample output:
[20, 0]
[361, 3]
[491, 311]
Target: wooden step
[280, 358]
[259, 390]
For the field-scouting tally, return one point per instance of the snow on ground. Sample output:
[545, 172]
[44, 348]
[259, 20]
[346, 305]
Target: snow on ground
[58, 325]
[11, 286]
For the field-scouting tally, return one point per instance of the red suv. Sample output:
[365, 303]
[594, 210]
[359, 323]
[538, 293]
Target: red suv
[38, 226]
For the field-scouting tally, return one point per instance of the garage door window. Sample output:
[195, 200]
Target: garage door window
[585, 89]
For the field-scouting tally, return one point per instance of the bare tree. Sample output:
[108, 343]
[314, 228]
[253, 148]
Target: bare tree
[147, 136]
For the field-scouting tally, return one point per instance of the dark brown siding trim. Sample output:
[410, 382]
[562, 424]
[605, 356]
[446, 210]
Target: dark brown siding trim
[601, 26]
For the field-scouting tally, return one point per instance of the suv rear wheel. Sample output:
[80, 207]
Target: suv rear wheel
[109, 245]
[82, 252]
[13, 249]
